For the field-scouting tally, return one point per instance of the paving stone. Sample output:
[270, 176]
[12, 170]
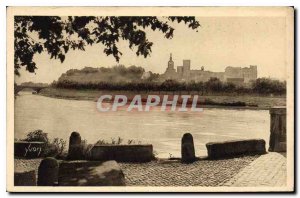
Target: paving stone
[267, 170]
[242, 171]
[199, 173]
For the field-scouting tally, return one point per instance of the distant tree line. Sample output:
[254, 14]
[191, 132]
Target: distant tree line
[32, 84]
[262, 86]
[109, 74]
[117, 69]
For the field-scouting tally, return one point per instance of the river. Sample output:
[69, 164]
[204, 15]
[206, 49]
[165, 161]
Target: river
[59, 117]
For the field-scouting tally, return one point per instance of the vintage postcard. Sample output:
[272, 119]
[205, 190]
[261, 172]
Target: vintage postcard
[150, 99]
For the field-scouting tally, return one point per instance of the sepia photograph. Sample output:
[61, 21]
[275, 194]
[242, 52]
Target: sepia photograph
[150, 99]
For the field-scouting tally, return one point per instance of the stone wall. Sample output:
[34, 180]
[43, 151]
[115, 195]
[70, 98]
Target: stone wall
[122, 153]
[25, 149]
[87, 173]
[278, 129]
[234, 148]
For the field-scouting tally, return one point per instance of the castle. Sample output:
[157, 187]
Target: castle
[235, 75]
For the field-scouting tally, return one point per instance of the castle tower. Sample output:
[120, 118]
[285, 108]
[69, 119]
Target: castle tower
[186, 69]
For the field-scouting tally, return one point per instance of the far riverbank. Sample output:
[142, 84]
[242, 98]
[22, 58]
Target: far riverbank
[211, 101]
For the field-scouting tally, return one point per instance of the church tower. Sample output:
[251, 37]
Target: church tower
[171, 63]
[170, 71]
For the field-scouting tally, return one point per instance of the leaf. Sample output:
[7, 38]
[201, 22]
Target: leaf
[66, 48]
[61, 57]
[57, 35]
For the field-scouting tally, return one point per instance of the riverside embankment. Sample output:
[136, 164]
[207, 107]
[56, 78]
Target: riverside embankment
[209, 101]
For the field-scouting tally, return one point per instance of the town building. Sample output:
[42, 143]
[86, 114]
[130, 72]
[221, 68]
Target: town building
[235, 75]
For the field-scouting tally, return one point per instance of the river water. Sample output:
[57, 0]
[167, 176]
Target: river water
[59, 117]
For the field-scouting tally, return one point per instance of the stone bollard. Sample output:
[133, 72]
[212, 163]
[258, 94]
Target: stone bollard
[187, 148]
[278, 129]
[48, 172]
[75, 147]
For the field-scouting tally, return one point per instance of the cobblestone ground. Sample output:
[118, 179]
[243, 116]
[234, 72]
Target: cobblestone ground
[171, 173]
[26, 165]
[267, 170]
[264, 170]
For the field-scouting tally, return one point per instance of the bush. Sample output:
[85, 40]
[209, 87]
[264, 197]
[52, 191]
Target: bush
[56, 148]
[117, 141]
[86, 149]
[269, 86]
[113, 142]
[37, 136]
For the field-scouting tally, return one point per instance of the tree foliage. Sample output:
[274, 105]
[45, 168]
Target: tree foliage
[58, 35]
[269, 86]
[261, 86]
[117, 73]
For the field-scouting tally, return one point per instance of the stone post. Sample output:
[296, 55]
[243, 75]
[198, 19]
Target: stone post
[187, 149]
[75, 147]
[48, 172]
[278, 129]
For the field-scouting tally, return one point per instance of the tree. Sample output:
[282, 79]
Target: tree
[269, 86]
[170, 85]
[153, 77]
[58, 35]
[214, 85]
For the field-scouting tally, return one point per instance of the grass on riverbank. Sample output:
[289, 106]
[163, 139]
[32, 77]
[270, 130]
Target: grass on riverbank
[260, 102]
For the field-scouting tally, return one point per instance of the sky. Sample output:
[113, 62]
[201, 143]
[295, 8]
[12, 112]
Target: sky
[219, 42]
